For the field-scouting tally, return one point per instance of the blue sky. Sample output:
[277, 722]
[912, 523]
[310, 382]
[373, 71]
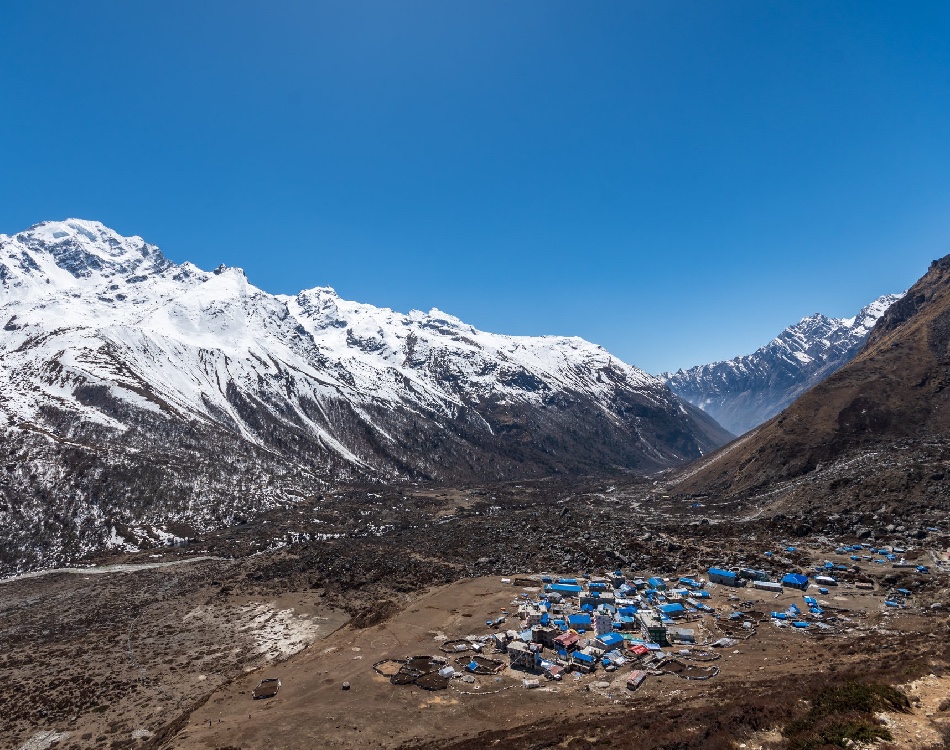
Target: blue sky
[677, 181]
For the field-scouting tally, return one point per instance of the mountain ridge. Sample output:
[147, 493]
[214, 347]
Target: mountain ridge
[750, 389]
[135, 390]
[873, 435]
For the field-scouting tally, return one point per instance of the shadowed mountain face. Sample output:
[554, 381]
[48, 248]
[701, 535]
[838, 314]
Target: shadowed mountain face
[136, 393]
[890, 400]
[744, 392]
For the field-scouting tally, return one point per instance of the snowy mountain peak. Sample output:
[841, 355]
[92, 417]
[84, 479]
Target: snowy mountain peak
[869, 315]
[94, 234]
[105, 342]
[742, 393]
[75, 255]
[144, 391]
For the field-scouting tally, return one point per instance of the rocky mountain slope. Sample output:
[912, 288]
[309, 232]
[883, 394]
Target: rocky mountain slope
[744, 392]
[137, 394]
[872, 440]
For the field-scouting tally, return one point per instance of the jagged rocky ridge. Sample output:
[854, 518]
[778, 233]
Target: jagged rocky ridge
[748, 390]
[872, 439]
[139, 397]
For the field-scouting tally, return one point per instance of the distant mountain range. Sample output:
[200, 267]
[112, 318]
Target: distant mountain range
[744, 392]
[869, 445]
[142, 397]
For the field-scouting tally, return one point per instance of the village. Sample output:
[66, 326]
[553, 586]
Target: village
[587, 620]
[637, 626]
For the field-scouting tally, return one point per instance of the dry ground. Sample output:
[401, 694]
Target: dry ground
[312, 709]
[147, 658]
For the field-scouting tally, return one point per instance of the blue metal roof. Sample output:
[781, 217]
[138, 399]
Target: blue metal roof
[564, 588]
[721, 572]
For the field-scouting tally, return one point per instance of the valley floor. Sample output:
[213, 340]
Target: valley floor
[166, 657]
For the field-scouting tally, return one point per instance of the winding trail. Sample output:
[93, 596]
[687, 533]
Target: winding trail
[103, 569]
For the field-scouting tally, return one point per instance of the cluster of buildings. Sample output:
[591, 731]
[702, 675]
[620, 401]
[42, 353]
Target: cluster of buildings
[587, 624]
[761, 580]
[583, 625]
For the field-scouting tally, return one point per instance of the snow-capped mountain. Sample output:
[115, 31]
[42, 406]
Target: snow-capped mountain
[134, 391]
[744, 392]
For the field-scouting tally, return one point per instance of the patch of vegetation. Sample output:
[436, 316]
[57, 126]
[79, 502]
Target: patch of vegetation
[843, 713]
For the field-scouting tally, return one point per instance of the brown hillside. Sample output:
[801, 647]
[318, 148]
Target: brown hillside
[896, 388]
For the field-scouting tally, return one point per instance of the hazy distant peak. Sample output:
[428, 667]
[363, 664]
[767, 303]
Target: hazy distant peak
[743, 392]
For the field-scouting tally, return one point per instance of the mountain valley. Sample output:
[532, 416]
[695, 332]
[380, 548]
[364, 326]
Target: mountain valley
[142, 400]
[205, 486]
[746, 391]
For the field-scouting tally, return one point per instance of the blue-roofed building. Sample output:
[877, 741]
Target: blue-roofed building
[673, 611]
[570, 589]
[725, 577]
[657, 583]
[795, 581]
[609, 641]
[579, 621]
[584, 662]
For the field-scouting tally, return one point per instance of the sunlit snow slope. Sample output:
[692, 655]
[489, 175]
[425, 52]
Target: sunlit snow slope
[135, 391]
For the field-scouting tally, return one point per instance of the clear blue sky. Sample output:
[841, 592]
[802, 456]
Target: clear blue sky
[677, 181]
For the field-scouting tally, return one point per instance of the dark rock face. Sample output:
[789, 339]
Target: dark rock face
[746, 391]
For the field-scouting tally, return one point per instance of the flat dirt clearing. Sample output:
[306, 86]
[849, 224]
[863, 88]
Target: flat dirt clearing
[312, 709]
